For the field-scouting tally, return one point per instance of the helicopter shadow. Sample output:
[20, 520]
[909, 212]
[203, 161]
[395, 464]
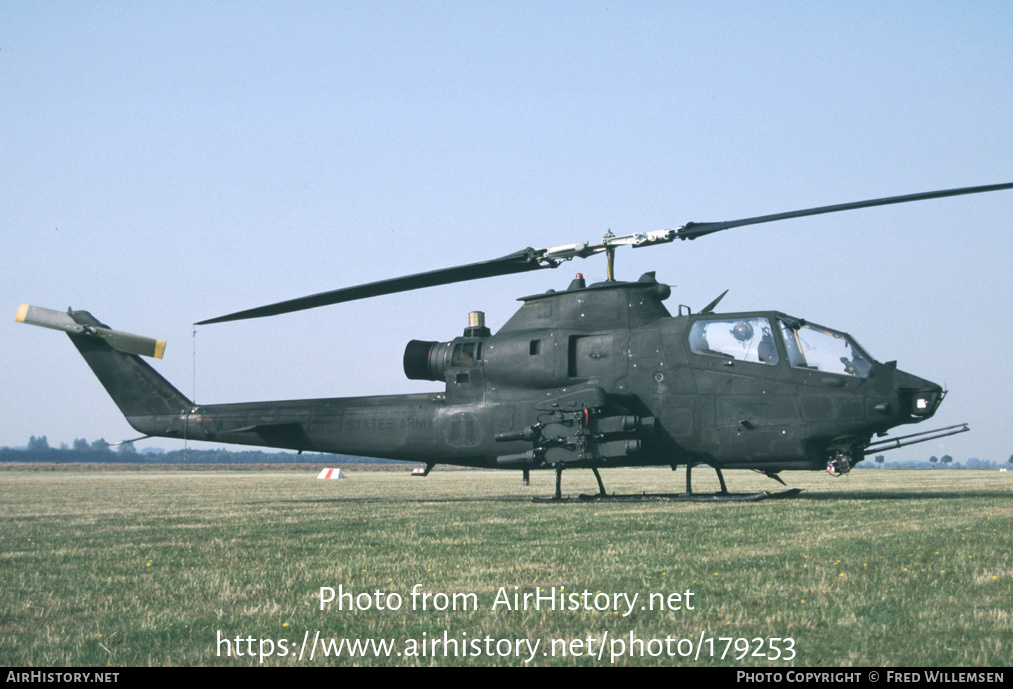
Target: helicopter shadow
[898, 495]
[505, 499]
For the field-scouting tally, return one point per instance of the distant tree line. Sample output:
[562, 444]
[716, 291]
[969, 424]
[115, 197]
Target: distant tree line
[82, 451]
[933, 462]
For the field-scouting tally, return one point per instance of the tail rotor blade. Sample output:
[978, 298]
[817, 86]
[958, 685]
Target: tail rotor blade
[60, 320]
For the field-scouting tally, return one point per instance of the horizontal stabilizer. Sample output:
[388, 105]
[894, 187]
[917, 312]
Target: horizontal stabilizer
[59, 320]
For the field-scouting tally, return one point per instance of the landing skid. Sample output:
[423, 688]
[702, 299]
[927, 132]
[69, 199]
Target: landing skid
[688, 496]
[678, 497]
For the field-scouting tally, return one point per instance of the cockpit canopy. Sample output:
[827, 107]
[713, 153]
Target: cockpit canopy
[751, 338]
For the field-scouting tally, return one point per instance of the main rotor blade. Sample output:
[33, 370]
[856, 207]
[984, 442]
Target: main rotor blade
[519, 262]
[699, 229]
[535, 259]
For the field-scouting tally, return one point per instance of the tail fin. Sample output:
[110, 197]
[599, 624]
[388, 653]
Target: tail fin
[136, 388]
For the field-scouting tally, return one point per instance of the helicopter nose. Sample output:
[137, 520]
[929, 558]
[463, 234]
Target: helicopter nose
[918, 397]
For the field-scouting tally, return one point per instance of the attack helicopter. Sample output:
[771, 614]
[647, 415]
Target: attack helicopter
[592, 376]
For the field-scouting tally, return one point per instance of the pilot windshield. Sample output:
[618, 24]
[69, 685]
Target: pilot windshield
[821, 349]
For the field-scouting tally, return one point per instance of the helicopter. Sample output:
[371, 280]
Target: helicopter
[592, 376]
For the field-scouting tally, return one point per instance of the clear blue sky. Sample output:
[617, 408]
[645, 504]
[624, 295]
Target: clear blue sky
[162, 163]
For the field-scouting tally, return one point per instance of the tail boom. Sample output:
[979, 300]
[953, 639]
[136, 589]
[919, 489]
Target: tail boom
[388, 426]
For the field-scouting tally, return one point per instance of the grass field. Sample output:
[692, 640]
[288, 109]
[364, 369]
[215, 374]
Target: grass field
[891, 568]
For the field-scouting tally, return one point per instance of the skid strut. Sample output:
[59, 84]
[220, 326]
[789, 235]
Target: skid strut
[689, 485]
[559, 482]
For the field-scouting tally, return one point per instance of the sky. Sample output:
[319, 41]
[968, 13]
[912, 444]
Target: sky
[164, 163]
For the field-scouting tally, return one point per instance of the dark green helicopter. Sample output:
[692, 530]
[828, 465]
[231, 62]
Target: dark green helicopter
[590, 377]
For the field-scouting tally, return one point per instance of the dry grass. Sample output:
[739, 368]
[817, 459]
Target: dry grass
[135, 568]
